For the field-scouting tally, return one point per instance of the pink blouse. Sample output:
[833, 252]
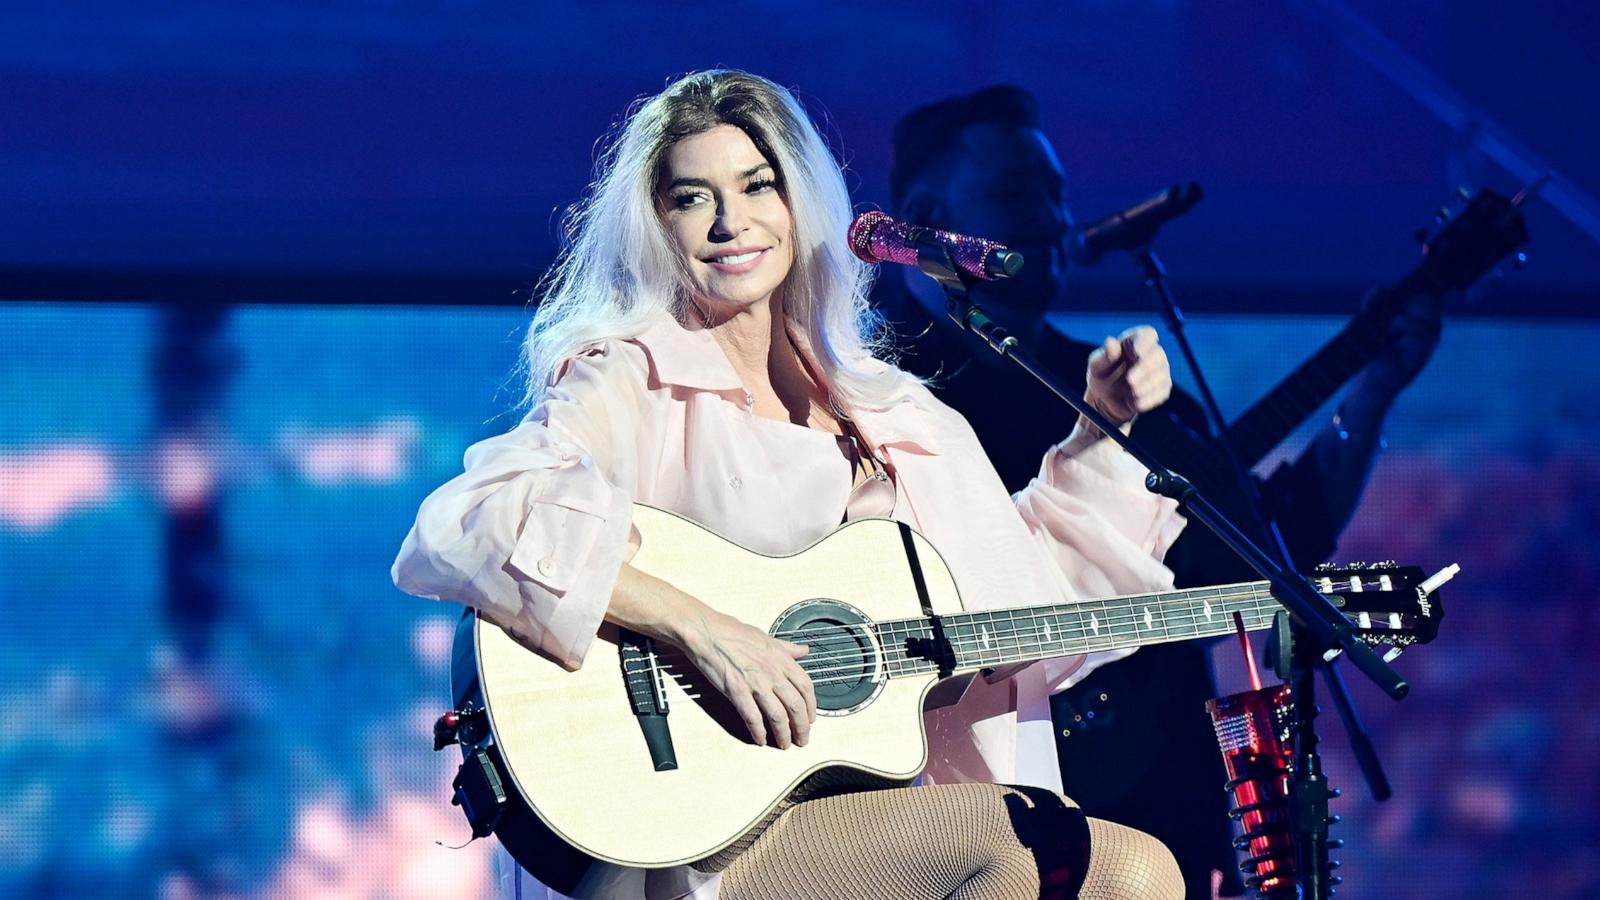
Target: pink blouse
[534, 531]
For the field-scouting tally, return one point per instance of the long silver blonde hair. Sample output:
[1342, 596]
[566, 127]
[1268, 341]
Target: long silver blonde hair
[618, 270]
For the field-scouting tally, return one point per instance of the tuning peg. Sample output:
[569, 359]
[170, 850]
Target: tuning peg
[1464, 192]
[1386, 564]
[1442, 215]
[1437, 579]
[1520, 261]
[1325, 567]
[1421, 235]
[1357, 565]
[1392, 654]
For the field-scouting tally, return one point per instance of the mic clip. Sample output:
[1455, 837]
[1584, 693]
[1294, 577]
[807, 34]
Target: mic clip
[933, 258]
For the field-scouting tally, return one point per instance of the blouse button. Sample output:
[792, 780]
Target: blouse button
[749, 399]
[735, 482]
[547, 566]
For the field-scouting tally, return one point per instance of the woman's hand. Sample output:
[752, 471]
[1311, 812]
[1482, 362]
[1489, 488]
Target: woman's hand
[1128, 375]
[759, 674]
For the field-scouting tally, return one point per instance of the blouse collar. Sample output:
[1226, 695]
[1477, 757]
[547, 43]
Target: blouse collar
[693, 359]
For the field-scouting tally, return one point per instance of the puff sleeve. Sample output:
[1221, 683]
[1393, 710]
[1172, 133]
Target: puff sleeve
[534, 531]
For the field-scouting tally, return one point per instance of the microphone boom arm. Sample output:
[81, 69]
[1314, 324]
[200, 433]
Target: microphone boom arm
[1311, 610]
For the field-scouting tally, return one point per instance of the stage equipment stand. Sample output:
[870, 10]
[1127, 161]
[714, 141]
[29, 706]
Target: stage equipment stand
[1319, 631]
[1361, 744]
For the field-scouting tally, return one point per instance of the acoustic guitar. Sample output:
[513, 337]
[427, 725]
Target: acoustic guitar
[634, 761]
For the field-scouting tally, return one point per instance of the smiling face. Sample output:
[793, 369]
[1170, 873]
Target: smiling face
[720, 203]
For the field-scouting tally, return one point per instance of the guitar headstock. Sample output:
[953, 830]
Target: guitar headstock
[1389, 604]
[1472, 242]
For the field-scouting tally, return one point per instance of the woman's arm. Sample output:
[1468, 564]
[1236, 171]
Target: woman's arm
[756, 672]
[533, 532]
[1088, 508]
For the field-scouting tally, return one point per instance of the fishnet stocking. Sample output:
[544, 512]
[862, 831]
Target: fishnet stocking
[956, 841]
[1125, 863]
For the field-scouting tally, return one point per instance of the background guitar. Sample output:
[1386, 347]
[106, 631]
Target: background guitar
[1467, 247]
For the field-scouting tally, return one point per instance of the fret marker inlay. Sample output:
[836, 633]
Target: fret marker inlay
[1206, 607]
[1094, 624]
[1148, 621]
[983, 636]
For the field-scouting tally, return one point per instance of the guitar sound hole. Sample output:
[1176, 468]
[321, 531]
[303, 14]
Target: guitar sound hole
[844, 659]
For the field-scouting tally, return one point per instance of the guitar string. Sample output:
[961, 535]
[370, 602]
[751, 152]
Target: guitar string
[1020, 618]
[1022, 631]
[1024, 627]
[855, 664]
[1000, 655]
[1023, 620]
[909, 665]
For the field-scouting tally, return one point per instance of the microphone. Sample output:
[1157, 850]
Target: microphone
[876, 238]
[1134, 227]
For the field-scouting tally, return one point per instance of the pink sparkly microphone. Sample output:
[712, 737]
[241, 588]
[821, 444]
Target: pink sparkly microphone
[876, 238]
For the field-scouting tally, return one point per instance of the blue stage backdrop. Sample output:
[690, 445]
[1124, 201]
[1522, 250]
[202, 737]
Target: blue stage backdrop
[208, 685]
[294, 753]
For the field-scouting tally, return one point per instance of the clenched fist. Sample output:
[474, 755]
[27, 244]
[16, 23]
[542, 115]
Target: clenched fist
[1128, 375]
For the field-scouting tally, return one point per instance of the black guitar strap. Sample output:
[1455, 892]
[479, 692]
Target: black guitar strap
[938, 648]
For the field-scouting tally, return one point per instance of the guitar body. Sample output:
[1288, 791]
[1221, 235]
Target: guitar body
[614, 774]
[574, 749]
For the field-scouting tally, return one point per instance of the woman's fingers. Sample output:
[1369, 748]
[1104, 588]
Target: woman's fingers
[762, 677]
[808, 691]
[1138, 340]
[745, 704]
[797, 676]
[799, 718]
[777, 716]
[1103, 361]
[1129, 374]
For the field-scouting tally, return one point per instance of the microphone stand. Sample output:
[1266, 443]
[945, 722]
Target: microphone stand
[1365, 751]
[1319, 629]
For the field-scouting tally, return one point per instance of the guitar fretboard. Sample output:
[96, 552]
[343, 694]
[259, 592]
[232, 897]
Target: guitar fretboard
[1272, 418]
[997, 637]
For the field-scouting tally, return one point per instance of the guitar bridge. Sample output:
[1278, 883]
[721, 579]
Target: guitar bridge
[647, 696]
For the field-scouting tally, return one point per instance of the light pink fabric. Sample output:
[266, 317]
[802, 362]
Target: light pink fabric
[536, 528]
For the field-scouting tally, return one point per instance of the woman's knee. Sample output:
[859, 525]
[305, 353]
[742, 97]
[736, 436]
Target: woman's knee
[1129, 865]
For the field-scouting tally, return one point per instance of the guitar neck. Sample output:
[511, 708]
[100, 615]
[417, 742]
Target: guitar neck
[990, 638]
[1273, 417]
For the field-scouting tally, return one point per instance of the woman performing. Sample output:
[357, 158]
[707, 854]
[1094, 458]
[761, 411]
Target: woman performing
[704, 346]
